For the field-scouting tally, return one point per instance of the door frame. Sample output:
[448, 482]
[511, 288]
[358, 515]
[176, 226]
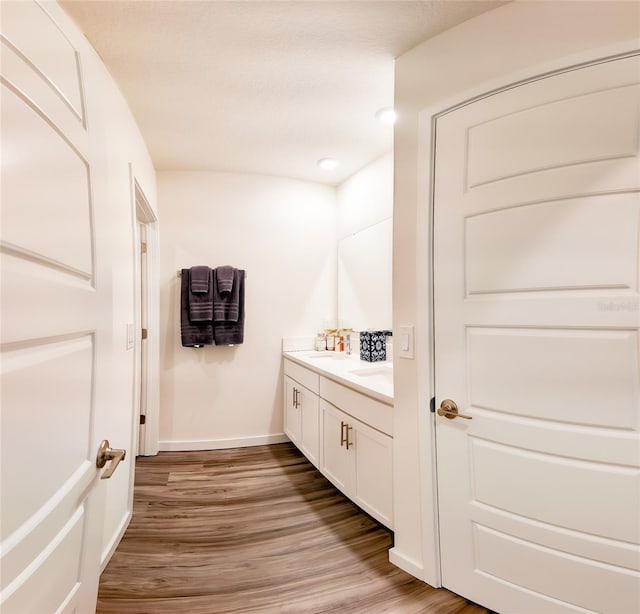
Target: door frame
[142, 213]
[425, 316]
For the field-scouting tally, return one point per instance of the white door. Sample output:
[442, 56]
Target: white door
[536, 277]
[56, 324]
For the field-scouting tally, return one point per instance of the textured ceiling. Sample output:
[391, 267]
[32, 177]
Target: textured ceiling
[262, 87]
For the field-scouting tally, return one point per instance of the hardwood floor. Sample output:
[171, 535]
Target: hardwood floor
[255, 530]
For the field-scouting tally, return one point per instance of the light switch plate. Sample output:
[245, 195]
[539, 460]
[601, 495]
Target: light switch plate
[405, 341]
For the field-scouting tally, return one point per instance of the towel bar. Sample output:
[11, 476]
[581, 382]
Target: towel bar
[179, 273]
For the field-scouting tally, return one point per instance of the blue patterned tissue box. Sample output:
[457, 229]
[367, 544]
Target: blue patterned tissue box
[373, 345]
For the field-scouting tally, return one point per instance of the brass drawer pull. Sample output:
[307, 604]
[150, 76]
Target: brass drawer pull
[349, 443]
[344, 434]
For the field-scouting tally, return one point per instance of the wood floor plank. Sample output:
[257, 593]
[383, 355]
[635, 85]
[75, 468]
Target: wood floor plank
[255, 530]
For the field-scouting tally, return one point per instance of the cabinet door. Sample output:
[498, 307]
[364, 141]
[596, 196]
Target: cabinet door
[292, 415]
[373, 488]
[337, 462]
[308, 409]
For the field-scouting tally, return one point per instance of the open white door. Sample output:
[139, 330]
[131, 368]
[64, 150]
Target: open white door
[537, 316]
[56, 323]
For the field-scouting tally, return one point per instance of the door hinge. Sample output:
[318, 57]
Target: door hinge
[144, 333]
[143, 419]
[432, 405]
[143, 247]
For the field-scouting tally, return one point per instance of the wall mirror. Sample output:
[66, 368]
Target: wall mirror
[364, 278]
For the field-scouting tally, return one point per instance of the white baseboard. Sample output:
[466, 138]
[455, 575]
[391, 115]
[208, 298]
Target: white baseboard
[184, 445]
[407, 564]
[107, 553]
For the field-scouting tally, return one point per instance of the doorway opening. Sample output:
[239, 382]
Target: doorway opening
[146, 292]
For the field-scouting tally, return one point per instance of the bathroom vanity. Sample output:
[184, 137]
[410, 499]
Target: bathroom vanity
[338, 412]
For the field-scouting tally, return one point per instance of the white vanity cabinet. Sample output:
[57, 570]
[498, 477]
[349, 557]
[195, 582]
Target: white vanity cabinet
[357, 458]
[301, 410]
[344, 426]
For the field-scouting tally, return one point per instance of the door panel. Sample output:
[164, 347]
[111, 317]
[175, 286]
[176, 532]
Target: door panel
[550, 488]
[27, 27]
[536, 276]
[574, 581]
[38, 209]
[57, 582]
[63, 371]
[567, 131]
[562, 375]
[504, 253]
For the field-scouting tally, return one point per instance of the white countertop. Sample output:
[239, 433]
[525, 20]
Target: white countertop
[374, 379]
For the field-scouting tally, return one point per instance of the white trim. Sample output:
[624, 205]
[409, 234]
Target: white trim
[431, 567]
[143, 213]
[152, 425]
[107, 553]
[184, 445]
[406, 563]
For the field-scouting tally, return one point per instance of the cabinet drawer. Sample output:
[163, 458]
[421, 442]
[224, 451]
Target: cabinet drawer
[365, 409]
[303, 376]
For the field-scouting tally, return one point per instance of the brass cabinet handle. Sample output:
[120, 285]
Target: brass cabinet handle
[449, 409]
[344, 434]
[293, 397]
[106, 453]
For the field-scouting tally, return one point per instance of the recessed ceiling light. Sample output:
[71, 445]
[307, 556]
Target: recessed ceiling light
[327, 164]
[386, 115]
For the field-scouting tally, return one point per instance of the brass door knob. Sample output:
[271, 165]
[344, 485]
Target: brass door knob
[105, 453]
[449, 409]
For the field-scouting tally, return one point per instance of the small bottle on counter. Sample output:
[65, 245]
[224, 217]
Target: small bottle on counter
[347, 342]
[321, 344]
[331, 341]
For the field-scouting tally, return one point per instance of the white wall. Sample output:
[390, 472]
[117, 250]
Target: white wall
[283, 233]
[117, 144]
[125, 151]
[366, 198]
[517, 40]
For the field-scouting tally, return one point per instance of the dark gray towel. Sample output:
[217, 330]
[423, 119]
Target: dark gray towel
[192, 334]
[232, 333]
[226, 305]
[199, 278]
[201, 303]
[225, 276]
